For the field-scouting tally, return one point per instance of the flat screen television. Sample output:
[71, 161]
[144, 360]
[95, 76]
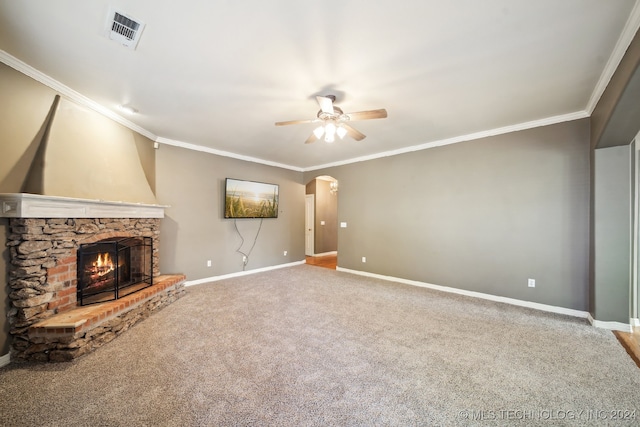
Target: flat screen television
[249, 199]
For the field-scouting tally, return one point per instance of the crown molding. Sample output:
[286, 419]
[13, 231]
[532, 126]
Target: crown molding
[69, 93]
[209, 150]
[628, 33]
[469, 137]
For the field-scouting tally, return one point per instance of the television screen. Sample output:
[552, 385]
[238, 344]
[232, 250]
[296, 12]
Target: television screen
[249, 199]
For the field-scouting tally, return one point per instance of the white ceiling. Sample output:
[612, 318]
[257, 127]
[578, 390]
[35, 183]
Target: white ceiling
[218, 74]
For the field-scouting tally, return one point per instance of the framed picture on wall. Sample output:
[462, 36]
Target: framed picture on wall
[250, 199]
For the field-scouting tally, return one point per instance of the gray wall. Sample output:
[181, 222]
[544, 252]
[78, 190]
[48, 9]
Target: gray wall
[194, 229]
[613, 233]
[483, 215]
[615, 118]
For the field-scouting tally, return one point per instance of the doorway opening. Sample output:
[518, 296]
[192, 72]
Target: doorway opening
[321, 220]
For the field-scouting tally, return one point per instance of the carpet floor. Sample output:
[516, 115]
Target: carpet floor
[306, 346]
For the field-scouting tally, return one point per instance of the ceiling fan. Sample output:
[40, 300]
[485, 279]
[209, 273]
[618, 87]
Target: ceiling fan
[335, 122]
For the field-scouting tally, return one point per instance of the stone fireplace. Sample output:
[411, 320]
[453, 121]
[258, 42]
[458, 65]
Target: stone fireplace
[81, 272]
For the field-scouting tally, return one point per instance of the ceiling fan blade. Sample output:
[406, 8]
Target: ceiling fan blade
[326, 104]
[312, 138]
[295, 122]
[366, 115]
[353, 133]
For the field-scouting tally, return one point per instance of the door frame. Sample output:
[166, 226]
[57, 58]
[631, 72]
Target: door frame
[309, 224]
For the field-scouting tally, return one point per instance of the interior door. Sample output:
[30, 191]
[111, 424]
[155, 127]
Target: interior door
[309, 218]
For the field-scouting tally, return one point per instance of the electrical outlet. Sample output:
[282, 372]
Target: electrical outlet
[532, 283]
[364, 259]
[285, 253]
[209, 263]
[244, 259]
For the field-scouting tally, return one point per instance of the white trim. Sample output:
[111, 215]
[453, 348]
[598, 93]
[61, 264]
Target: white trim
[469, 137]
[24, 205]
[69, 93]
[635, 322]
[626, 36]
[196, 147]
[327, 253]
[5, 360]
[613, 326]
[240, 273]
[635, 216]
[512, 301]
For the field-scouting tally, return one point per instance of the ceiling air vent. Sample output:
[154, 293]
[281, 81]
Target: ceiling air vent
[124, 29]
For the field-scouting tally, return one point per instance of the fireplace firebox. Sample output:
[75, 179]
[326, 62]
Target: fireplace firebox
[113, 268]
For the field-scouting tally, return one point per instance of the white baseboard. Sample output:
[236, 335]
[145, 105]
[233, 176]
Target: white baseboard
[613, 326]
[512, 301]
[5, 360]
[635, 322]
[240, 273]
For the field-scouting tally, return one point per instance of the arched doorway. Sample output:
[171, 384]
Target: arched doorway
[321, 218]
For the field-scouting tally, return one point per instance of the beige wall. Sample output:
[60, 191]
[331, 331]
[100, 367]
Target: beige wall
[147, 156]
[195, 230]
[482, 215]
[24, 106]
[76, 151]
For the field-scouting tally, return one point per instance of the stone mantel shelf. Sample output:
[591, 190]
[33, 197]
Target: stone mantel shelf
[24, 205]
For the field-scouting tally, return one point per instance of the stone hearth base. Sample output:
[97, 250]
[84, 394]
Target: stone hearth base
[71, 334]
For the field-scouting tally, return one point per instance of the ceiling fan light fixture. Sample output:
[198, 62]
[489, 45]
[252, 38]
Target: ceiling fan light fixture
[333, 121]
[329, 132]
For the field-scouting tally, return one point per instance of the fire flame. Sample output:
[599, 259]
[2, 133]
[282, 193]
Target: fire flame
[103, 264]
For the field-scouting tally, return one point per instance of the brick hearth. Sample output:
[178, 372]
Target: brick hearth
[73, 333]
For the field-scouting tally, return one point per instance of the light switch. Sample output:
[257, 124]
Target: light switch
[343, 225]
